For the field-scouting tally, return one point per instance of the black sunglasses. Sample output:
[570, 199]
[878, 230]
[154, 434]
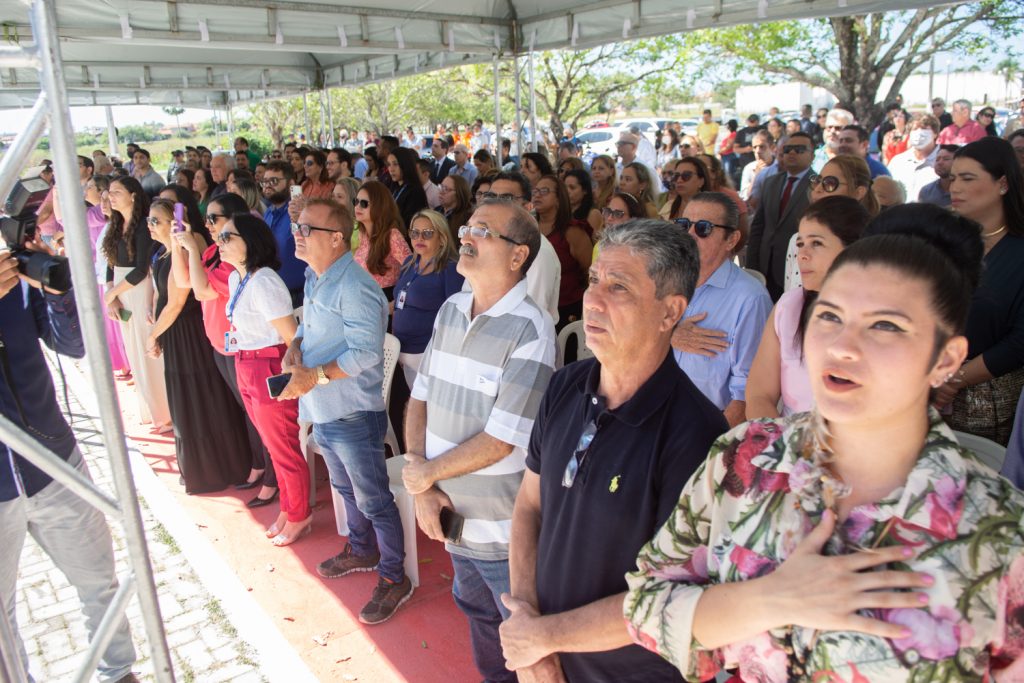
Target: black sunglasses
[212, 218]
[572, 468]
[701, 228]
[612, 213]
[794, 149]
[361, 203]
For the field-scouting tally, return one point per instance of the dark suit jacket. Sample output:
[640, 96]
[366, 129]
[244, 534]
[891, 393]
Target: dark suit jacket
[446, 166]
[770, 232]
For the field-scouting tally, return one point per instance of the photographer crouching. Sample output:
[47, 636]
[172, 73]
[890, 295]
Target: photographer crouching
[73, 533]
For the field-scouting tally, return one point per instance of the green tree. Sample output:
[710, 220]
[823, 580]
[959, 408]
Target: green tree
[277, 118]
[850, 55]
[175, 112]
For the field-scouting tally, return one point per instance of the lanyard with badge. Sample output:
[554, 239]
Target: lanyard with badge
[230, 337]
[400, 299]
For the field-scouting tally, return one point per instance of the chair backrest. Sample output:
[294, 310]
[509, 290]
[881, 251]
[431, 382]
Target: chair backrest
[298, 314]
[392, 347]
[989, 452]
[573, 329]
[757, 275]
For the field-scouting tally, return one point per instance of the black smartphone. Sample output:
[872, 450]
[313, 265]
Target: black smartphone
[451, 524]
[277, 383]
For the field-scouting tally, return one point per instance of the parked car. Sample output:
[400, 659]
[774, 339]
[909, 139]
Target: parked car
[600, 140]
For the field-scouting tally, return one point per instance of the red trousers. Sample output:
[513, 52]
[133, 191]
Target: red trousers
[278, 425]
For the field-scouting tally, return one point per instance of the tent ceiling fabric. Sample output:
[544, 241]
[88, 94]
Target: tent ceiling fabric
[204, 53]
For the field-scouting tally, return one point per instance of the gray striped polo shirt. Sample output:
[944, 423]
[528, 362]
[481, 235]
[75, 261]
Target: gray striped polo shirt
[488, 375]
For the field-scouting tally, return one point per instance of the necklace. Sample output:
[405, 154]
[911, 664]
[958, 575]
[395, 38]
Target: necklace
[993, 233]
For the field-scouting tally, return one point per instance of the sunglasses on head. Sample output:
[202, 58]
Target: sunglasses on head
[829, 183]
[700, 228]
[362, 203]
[416, 233]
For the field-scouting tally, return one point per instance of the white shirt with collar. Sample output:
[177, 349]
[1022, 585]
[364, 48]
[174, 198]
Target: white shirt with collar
[914, 173]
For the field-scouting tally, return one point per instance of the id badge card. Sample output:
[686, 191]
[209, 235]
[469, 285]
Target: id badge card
[230, 342]
[400, 301]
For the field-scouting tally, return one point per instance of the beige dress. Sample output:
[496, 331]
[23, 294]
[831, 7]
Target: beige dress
[148, 372]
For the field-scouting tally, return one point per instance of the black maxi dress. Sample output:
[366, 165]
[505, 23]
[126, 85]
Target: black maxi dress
[209, 428]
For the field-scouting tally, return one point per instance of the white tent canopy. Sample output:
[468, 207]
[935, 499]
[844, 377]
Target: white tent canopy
[215, 52]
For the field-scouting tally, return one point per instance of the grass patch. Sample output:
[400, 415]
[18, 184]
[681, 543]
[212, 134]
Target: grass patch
[220, 619]
[161, 534]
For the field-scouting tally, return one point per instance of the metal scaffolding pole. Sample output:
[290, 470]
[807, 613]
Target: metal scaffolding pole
[497, 109]
[533, 106]
[43, 19]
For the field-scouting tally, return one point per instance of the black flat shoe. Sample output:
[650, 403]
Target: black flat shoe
[246, 485]
[258, 502]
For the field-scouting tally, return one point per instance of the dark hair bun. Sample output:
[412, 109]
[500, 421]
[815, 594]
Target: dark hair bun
[958, 238]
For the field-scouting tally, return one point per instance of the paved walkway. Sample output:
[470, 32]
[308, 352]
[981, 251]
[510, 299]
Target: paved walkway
[202, 633]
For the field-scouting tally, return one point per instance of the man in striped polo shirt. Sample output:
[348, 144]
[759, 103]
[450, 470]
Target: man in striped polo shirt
[472, 410]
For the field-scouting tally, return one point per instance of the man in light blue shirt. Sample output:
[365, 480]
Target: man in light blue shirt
[732, 302]
[336, 362]
[463, 165]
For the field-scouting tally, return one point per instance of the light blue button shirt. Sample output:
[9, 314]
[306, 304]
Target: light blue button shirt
[739, 305]
[344, 317]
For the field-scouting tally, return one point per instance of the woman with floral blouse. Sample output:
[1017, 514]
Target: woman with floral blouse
[858, 543]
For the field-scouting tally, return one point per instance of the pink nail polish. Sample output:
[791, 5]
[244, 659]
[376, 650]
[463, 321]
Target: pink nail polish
[908, 552]
[923, 599]
[928, 580]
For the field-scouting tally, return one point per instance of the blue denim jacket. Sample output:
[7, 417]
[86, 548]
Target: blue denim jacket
[344, 317]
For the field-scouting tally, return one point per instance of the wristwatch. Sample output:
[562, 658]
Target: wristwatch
[321, 376]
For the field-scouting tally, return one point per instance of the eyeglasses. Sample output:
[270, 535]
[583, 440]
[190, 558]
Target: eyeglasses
[701, 228]
[541, 191]
[505, 197]
[225, 237]
[986, 113]
[572, 467]
[685, 176]
[361, 203]
[481, 233]
[152, 220]
[275, 155]
[271, 182]
[426, 234]
[310, 162]
[613, 213]
[794, 149]
[829, 183]
[304, 229]
[212, 218]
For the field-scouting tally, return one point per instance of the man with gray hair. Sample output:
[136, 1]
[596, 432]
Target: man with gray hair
[463, 165]
[732, 301]
[835, 121]
[965, 129]
[221, 163]
[614, 442]
[469, 420]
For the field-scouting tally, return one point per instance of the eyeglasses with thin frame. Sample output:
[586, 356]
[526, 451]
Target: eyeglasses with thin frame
[505, 196]
[572, 468]
[541, 191]
[482, 233]
[702, 229]
[829, 183]
[426, 233]
[225, 236]
[305, 229]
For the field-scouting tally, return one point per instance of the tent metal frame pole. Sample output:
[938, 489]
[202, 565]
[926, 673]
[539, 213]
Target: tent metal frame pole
[533, 106]
[330, 118]
[497, 109]
[231, 122]
[112, 131]
[43, 20]
[305, 112]
[21, 149]
[519, 106]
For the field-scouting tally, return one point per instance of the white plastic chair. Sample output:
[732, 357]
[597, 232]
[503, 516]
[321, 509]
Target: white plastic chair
[757, 275]
[988, 451]
[392, 347]
[573, 329]
[407, 512]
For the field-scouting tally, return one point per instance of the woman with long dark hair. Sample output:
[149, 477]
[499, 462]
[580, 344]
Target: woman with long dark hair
[409, 194]
[534, 166]
[859, 541]
[456, 202]
[581, 199]
[209, 438]
[988, 188]
[691, 178]
[129, 298]
[572, 244]
[382, 246]
[317, 185]
[202, 185]
[779, 371]
[606, 180]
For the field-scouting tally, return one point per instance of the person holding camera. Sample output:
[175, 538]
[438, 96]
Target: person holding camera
[73, 533]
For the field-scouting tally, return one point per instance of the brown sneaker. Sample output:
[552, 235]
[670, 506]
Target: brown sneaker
[347, 562]
[387, 598]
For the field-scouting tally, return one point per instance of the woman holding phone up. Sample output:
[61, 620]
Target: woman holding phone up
[262, 325]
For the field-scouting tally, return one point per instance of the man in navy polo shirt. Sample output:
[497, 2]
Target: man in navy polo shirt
[615, 440]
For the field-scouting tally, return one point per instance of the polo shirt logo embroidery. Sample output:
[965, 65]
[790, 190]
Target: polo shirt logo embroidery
[613, 485]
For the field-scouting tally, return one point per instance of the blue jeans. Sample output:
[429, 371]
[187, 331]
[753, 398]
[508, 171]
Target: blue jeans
[353, 449]
[477, 590]
[76, 537]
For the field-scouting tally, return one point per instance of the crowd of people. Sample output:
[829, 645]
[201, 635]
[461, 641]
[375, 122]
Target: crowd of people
[787, 332]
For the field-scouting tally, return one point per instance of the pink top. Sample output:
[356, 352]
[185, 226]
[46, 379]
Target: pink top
[399, 252]
[796, 385]
[961, 135]
[215, 321]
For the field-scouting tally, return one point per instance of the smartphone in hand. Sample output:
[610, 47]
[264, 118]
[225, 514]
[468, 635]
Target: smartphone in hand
[296, 191]
[451, 524]
[277, 383]
[179, 217]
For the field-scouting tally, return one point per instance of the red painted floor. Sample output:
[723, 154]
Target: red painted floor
[427, 641]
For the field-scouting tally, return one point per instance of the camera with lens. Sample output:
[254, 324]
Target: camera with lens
[18, 225]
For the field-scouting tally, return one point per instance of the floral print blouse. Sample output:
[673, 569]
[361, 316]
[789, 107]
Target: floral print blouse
[762, 489]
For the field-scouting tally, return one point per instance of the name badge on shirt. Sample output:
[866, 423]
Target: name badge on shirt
[400, 301]
[230, 342]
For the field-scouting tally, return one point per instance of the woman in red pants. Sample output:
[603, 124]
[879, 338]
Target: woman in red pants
[262, 325]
